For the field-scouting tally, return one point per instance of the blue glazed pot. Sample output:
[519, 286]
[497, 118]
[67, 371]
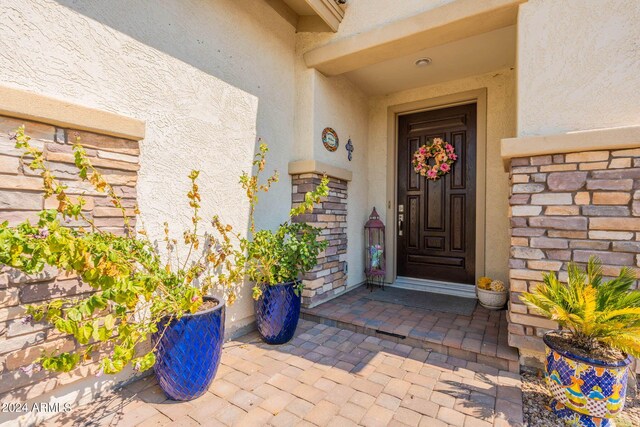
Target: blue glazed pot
[277, 312]
[188, 352]
[586, 392]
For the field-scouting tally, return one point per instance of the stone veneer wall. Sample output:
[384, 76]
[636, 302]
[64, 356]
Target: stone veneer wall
[567, 207]
[20, 198]
[329, 277]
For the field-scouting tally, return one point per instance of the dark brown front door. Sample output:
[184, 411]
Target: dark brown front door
[437, 219]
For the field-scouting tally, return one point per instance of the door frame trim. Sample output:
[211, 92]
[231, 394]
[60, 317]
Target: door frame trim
[477, 96]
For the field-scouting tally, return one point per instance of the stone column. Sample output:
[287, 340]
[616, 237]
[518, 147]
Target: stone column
[567, 207]
[329, 277]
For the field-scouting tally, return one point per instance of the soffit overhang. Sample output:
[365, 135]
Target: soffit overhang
[310, 15]
[451, 22]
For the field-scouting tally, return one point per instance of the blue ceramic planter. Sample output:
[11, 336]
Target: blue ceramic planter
[188, 353]
[277, 312]
[586, 392]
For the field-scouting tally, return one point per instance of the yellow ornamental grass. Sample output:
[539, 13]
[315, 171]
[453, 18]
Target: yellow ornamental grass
[596, 313]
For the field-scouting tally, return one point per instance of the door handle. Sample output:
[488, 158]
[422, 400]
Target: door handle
[399, 227]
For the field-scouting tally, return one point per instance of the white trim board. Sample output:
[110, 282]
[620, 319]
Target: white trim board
[434, 286]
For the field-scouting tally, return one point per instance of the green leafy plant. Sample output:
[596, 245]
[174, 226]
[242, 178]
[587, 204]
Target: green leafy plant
[292, 249]
[597, 314]
[135, 286]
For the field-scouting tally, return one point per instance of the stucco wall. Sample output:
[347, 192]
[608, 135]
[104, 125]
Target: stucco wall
[500, 124]
[342, 106]
[363, 15]
[578, 65]
[337, 103]
[191, 69]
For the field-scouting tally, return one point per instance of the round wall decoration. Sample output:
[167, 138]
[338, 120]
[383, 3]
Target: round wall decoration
[330, 139]
[443, 154]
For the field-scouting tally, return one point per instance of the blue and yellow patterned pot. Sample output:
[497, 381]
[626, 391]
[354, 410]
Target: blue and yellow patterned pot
[586, 392]
[188, 352]
[277, 312]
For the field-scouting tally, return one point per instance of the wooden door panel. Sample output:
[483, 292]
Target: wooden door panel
[414, 221]
[435, 198]
[436, 239]
[434, 243]
[414, 178]
[458, 172]
[425, 126]
[437, 260]
[457, 222]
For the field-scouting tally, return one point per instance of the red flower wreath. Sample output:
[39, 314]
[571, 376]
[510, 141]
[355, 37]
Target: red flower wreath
[443, 154]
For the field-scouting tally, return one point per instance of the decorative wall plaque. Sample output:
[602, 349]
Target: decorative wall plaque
[330, 139]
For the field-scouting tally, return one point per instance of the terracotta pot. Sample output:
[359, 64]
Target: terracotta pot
[586, 392]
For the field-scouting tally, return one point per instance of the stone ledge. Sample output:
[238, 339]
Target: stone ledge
[300, 167]
[32, 106]
[570, 142]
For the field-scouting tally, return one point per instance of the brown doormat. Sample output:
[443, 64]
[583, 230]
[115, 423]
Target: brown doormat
[426, 300]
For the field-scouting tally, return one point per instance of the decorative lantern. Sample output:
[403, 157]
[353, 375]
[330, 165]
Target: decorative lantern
[375, 251]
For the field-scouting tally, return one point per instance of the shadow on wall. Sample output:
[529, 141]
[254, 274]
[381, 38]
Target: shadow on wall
[209, 38]
[243, 43]
[240, 42]
[203, 36]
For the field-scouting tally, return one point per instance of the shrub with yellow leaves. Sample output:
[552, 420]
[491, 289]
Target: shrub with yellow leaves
[135, 286]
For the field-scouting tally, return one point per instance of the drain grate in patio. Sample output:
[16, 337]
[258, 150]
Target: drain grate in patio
[390, 334]
[425, 300]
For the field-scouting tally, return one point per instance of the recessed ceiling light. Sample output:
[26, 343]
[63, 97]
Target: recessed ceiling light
[423, 62]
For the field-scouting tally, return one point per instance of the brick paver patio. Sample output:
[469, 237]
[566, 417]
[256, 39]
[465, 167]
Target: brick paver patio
[325, 376]
[481, 337]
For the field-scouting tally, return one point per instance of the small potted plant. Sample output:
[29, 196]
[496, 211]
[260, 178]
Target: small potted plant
[587, 359]
[276, 259]
[492, 294]
[147, 309]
